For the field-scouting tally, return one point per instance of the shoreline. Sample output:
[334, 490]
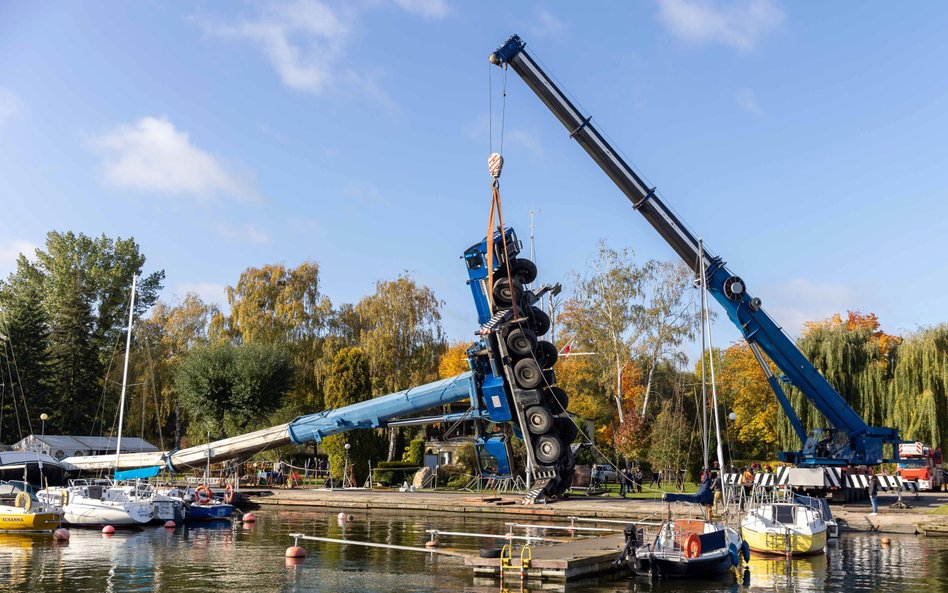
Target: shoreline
[853, 518]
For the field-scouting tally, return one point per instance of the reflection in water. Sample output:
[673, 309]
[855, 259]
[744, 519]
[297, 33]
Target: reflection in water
[199, 558]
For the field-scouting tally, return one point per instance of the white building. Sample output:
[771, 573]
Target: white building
[62, 446]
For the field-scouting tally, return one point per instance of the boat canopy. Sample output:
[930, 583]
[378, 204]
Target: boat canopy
[704, 495]
[134, 474]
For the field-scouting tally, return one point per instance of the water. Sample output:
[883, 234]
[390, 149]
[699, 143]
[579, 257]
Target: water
[234, 558]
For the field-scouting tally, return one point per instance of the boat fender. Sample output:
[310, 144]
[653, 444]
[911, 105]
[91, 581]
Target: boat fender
[735, 555]
[692, 546]
[23, 500]
[746, 551]
[203, 494]
[229, 494]
[64, 497]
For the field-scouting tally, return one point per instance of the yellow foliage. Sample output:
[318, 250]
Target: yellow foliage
[454, 360]
[743, 388]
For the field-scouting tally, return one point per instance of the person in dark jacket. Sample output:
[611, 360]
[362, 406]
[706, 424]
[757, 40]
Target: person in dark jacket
[873, 493]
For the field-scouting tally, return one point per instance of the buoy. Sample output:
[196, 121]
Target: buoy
[295, 552]
[169, 524]
[108, 530]
[886, 541]
[61, 535]
[294, 561]
[432, 543]
[249, 518]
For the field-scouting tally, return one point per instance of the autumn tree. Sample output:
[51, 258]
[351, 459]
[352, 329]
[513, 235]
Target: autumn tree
[399, 328]
[453, 360]
[743, 389]
[350, 382]
[670, 436]
[919, 386]
[274, 304]
[606, 313]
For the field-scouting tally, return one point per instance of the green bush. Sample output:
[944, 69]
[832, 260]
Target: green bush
[415, 452]
[393, 473]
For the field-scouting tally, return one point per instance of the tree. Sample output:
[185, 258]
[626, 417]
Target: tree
[454, 360]
[919, 386]
[275, 304]
[670, 432]
[670, 318]
[743, 389]
[400, 332]
[24, 361]
[606, 314]
[82, 284]
[228, 390]
[351, 383]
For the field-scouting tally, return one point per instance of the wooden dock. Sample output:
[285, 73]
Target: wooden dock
[562, 562]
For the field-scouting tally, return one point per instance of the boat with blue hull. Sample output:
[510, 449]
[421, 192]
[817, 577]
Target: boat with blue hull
[210, 511]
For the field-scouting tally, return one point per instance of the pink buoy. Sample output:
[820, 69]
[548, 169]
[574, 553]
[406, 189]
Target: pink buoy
[108, 530]
[169, 524]
[61, 535]
[295, 552]
[249, 518]
[343, 517]
[294, 561]
[432, 543]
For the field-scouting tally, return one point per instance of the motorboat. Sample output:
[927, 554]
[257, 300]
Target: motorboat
[777, 523]
[21, 510]
[202, 504]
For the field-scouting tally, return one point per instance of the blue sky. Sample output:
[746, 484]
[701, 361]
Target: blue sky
[807, 143]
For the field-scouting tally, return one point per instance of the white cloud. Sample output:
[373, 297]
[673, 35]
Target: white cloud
[10, 251]
[429, 9]
[747, 100]
[243, 234]
[9, 106]
[740, 24]
[152, 156]
[545, 24]
[209, 292]
[793, 303]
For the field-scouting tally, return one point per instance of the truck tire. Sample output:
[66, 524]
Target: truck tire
[548, 449]
[521, 341]
[539, 419]
[546, 354]
[539, 320]
[566, 428]
[528, 374]
[524, 270]
[557, 400]
[505, 293]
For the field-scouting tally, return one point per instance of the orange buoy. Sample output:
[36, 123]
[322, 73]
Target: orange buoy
[432, 543]
[169, 524]
[295, 552]
[294, 561]
[108, 530]
[61, 535]
[249, 518]
[886, 541]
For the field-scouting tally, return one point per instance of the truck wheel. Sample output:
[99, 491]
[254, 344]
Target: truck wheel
[557, 398]
[546, 354]
[548, 449]
[567, 428]
[524, 269]
[539, 419]
[539, 320]
[528, 374]
[522, 341]
[506, 293]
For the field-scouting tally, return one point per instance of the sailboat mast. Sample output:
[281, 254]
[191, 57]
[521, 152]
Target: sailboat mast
[128, 348]
[704, 341]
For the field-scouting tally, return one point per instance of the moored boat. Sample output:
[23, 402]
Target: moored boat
[20, 510]
[777, 523]
[93, 505]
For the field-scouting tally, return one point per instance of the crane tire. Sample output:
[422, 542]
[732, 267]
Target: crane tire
[540, 320]
[548, 449]
[557, 399]
[567, 428]
[539, 420]
[506, 293]
[528, 374]
[546, 354]
[521, 341]
[524, 269]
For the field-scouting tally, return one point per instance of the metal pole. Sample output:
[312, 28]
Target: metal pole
[704, 342]
[128, 347]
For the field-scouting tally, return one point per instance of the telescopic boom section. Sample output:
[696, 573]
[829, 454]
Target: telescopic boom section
[851, 440]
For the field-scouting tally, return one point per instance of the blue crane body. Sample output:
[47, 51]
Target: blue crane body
[849, 440]
[510, 382]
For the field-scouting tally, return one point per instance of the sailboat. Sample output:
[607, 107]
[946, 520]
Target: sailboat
[20, 510]
[779, 522]
[98, 502]
[691, 547]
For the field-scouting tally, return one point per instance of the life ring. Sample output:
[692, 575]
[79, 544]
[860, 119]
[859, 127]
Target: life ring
[229, 494]
[692, 546]
[203, 494]
[23, 500]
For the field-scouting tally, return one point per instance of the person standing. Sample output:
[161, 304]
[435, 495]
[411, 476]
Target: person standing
[873, 494]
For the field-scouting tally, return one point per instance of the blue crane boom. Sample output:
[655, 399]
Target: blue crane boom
[850, 440]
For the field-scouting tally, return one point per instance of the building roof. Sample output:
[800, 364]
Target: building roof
[75, 443]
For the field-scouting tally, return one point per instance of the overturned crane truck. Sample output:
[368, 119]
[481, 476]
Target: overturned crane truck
[511, 381]
[849, 442]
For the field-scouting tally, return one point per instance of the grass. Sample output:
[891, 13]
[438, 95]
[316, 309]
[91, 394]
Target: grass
[647, 493]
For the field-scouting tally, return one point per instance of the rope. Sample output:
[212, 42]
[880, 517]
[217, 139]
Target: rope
[495, 164]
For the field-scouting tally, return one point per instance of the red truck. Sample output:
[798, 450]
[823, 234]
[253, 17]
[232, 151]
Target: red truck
[929, 474]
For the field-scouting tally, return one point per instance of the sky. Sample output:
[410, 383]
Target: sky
[806, 143]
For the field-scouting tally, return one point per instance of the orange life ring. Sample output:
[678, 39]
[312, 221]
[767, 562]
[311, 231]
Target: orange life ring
[229, 494]
[692, 546]
[203, 494]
